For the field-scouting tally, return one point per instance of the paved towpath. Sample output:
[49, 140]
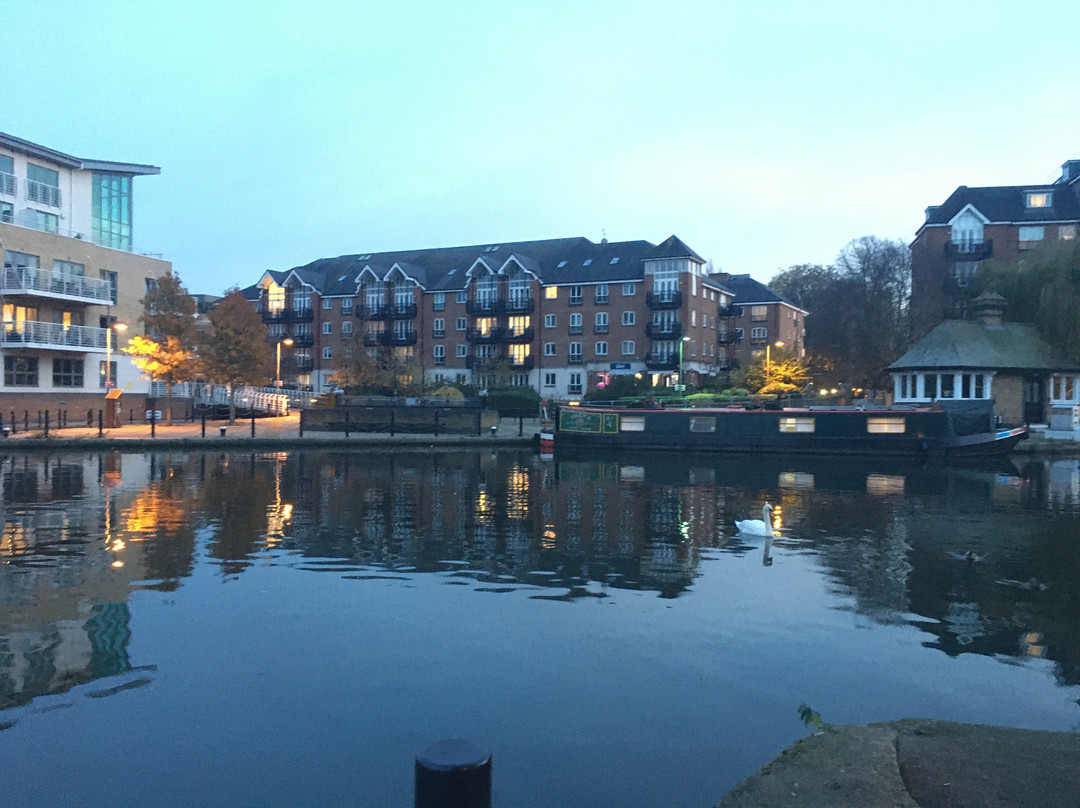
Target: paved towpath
[281, 432]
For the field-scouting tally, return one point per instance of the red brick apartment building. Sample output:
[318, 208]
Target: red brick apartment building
[563, 314]
[976, 224]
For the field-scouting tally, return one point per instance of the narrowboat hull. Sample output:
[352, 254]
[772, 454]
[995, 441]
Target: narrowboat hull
[960, 429]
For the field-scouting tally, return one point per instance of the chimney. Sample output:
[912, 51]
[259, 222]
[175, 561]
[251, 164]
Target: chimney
[989, 309]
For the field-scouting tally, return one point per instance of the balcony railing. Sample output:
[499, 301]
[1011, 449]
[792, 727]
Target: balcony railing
[730, 311]
[304, 363]
[57, 336]
[524, 335]
[601, 329]
[288, 315]
[397, 338]
[33, 281]
[727, 363]
[671, 299]
[523, 305]
[969, 250]
[661, 361]
[485, 335]
[387, 311]
[304, 340]
[728, 338]
[45, 194]
[479, 362]
[524, 365]
[486, 306]
[671, 330]
[574, 359]
[373, 338]
[576, 329]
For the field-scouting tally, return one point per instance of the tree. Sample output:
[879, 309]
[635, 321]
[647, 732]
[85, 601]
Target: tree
[785, 373]
[1042, 289]
[234, 349]
[169, 311]
[858, 321]
[168, 361]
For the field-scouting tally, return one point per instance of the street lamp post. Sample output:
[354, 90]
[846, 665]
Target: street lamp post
[768, 368]
[118, 327]
[682, 384]
[277, 373]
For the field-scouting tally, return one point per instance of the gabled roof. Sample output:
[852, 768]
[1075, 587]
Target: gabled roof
[747, 291]
[963, 345]
[673, 247]
[1007, 203]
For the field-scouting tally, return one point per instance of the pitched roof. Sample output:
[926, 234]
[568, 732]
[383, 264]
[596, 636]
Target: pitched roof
[673, 247]
[1007, 203]
[747, 291]
[554, 261]
[960, 344]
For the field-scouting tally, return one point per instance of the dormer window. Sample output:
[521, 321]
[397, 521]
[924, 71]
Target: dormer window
[1039, 199]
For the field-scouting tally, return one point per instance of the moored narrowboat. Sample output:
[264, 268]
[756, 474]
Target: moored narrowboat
[942, 429]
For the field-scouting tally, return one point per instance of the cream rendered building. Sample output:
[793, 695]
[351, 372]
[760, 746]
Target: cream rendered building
[69, 271]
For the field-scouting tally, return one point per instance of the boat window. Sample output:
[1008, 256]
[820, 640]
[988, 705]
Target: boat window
[632, 423]
[886, 426]
[796, 424]
[700, 423]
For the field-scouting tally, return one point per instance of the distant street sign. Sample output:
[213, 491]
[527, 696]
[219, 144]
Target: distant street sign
[620, 366]
[680, 388]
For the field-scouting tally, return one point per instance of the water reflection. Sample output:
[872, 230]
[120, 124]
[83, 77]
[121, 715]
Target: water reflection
[982, 560]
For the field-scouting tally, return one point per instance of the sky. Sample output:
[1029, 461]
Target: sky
[763, 134]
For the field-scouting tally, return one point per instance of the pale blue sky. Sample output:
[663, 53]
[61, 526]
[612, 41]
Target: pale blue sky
[764, 134]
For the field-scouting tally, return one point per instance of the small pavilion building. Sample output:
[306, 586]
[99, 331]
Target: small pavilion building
[988, 358]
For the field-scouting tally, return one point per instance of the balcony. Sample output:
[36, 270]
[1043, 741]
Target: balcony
[44, 283]
[601, 329]
[288, 316]
[671, 330]
[671, 299]
[53, 336]
[574, 359]
[304, 340]
[402, 311]
[524, 366]
[727, 363]
[487, 336]
[662, 361]
[968, 250]
[730, 311]
[728, 337]
[397, 338]
[303, 363]
[575, 329]
[45, 194]
[373, 339]
[524, 335]
[524, 305]
[481, 362]
[484, 307]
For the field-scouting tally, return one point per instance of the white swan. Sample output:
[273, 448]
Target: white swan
[758, 527]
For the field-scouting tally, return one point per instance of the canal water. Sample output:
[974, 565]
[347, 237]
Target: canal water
[293, 628]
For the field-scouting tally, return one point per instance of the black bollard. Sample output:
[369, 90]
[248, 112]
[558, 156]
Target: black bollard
[454, 773]
[89, 418]
[436, 423]
[26, 420]
[153, 426]
[204, 423]
[391, 423]
[46, 423]
[301, 423]
[253, 423]
[521, 425]
[346, 423]
[100, 423]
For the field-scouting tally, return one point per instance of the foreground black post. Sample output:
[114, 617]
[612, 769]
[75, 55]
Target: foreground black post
[521, 425]
[391, 423]
[346, 423]
[204, 423]
[46, 423]
[100, 423]
[454, 773]
[253, 423]
[301, 423]
[153, 427]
